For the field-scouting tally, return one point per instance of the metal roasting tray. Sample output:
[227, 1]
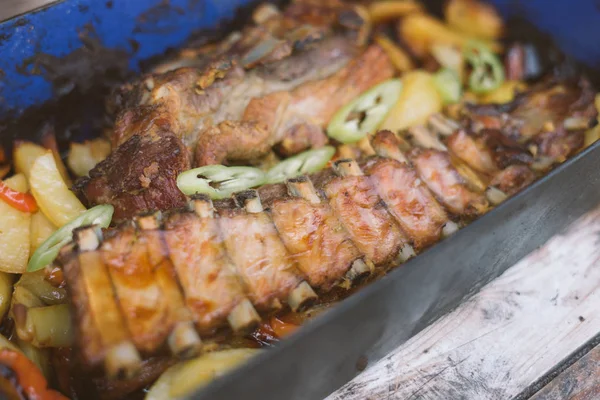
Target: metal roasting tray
[331, 349]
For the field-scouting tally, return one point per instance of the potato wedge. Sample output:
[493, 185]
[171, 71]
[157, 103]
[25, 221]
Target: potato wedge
[398, 57]
[449, 57]
[420, 32]
[49, 142]
[386, 10]
[474, 18]
[84, 156]
[17, 182]
[25, 154]
[6, 289]
[53, 196]
[181, 379]
[41, 229]
[419, 99]
[504, 93]
[14, 231]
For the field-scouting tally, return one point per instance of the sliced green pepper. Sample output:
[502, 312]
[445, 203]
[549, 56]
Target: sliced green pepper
[304, 163]
[100, 215]
[219, 181]
[488, 71]
[365, 113]
[448, 85]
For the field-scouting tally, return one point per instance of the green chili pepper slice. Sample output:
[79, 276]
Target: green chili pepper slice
[304, 163]
[448, 85]
[219, 181]
[488, 71]
[365, 113]
[100, 215]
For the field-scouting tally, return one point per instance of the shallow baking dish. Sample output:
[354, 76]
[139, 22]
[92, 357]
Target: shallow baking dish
[331, 349]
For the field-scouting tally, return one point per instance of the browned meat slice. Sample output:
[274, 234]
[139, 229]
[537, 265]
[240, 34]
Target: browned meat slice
[315, 103]
[141, 299]
[260, 257]
[314, 237]
[183, 339]
[513, 178]
[544, 108]
[447, 184]
[473, 151]
[357, 204]
[103, 334]
[139, 176]
[229, 141]
[559, 144]
[417, 211]
[211, 287]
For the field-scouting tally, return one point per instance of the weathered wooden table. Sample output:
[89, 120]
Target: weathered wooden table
[532, 333]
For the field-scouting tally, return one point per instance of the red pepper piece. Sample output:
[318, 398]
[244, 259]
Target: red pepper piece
[30, 380]
[21, 201]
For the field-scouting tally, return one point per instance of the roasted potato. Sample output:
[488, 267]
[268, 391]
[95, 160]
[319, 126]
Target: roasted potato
[420, 32]
[181, 379]
[6, 288]
[25, 154]
[503, 94]
[84, 156]
[386, 10]
[49, 142]
[53, 196]
[14, 231]
[398, 57]
[474, 18]
[41, 229]
[419, 99]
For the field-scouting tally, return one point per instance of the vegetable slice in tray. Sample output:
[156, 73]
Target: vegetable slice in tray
[364, 114]
[219, 181]
[304, 163]
[47, 252]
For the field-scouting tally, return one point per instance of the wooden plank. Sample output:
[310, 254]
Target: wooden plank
[504, 338]
[581, 381]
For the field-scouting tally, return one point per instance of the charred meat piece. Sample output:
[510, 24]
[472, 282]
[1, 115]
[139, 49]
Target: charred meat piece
[211, 287]
[513, 178]
[559, 144]
[473, 151]
[357, 204]
[544, 108]
[261, 260]
[313, 235]
[417, 211]
[103, 335]
[141, 299]
[447, 184]
[139, 176]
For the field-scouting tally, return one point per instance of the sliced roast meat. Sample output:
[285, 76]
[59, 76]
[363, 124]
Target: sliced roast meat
[141, 298]
[265, 266]
[407, 198]
[357, 204]
[447, 184]
[210, 284]
[314, 236]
